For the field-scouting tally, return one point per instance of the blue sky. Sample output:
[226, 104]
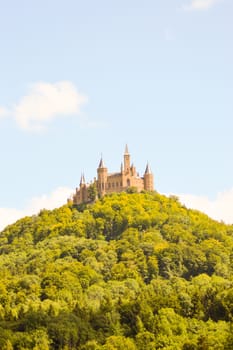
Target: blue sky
[78, 78]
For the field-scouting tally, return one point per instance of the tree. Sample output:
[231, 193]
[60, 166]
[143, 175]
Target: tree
[92, 192]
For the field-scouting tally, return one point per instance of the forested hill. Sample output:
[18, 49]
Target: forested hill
[131, 271]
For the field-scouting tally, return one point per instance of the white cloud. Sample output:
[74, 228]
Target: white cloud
[54, 200]
[50, 201]
[9, 216]
[220, 208]
[200, 5]
[46, 101]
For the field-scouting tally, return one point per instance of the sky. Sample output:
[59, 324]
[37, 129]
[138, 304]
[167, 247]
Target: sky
[82, 78]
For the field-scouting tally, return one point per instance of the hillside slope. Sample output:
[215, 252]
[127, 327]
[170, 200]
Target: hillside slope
[131, 271]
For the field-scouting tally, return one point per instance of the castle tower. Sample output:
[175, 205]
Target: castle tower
[82, 180]
[102, 173]
[83, 189]
[148, 179]
[133, 170]
[126, 160]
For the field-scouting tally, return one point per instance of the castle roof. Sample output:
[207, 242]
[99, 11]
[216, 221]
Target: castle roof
[114, 174]
[126, 149]
[82, 180]
[148, 169]
[101, 164]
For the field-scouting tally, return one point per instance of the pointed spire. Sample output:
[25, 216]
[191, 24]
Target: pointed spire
[101, 164]
[126, 149]
[148, 169]
[82, 180]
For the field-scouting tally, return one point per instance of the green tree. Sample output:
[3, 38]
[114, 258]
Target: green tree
[92, 192]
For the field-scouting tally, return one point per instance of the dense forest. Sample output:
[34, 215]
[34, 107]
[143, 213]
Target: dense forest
[130, 271]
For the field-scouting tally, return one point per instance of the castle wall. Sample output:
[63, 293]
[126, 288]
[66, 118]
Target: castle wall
[81, 195]
[116, 182]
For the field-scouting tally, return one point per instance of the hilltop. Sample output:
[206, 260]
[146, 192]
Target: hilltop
[130, 271]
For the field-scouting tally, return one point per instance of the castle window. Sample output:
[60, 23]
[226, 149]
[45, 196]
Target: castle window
[113, 185]
[117, 184]
[121, 183]
[109, 185]
[128, 182]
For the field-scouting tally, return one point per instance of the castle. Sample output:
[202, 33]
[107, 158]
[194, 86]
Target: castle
[113, 182]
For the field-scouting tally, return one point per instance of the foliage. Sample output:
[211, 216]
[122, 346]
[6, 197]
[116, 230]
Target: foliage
[129, 271]
[92, 192]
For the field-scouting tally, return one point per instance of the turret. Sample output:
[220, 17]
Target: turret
[82, 181]
[133, 170]
[126, 160]
[102, 173]
[81, 193]
[148, 179]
